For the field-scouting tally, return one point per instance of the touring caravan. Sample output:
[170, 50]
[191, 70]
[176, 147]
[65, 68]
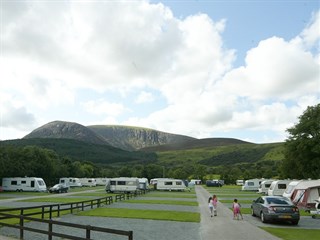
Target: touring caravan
[289, 190]
[26, 184]
[88, 182]
[264, 186]
[70, 182]
[278, 187]
[252, 184]
[239, 182]
[170, 184]
[102, 181]
[306, 193]
[143, 183]
[123, 184]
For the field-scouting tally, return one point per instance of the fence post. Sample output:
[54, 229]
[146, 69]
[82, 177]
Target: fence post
[130, 237]
[50, 230]
[82, 206]
[71, 208]
[88, 228]
[50, 213]
[58, 213]
[42, 213]
[21, 225]
[98, 203]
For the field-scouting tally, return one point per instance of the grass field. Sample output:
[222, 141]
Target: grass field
[294, 234]
[143, 214]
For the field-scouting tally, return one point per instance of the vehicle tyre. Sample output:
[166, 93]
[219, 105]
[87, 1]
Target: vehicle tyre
[262, 217]
[295, 222]
[252, 213]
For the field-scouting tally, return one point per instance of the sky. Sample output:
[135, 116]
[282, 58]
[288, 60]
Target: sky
[205, 69]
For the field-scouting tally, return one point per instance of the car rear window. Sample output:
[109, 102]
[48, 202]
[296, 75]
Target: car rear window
[276, 201]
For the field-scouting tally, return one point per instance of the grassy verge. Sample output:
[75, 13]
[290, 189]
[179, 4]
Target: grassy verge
[169, 202]
[294, 234]
[143, 214]
[168, 195]
[57, 200]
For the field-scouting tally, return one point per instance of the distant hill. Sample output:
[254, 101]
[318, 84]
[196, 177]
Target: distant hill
[84, 151]
[196, 143]
[67, 130]
[134, 138]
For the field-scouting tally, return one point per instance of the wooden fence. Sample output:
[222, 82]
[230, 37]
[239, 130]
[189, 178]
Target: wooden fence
[57, 208]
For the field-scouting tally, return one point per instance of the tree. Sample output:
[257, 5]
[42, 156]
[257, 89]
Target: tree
[302, 148]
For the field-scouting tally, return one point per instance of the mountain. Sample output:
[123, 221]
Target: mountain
[134, 138]
[68, 130]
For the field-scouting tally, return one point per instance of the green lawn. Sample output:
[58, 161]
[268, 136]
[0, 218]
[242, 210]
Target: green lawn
[170, 202]
[169, 195]
[57, 200]
[294, 234]
[143, 214]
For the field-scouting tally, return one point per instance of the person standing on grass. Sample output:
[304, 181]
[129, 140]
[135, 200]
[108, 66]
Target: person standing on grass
[215, 204]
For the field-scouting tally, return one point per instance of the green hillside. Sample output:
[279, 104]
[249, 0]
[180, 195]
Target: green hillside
[79, 150]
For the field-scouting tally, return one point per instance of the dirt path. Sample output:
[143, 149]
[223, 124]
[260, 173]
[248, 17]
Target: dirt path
[223, 226]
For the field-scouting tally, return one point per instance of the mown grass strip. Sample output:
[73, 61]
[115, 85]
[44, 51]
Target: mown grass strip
[164, 195]
[143, 214]
[95, 194]
[294, 234]
[169, 202]
[57, 200]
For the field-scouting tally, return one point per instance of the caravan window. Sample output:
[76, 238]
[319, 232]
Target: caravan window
[121, 182]
[112, 182]
[250, 183]
[178, 183]
[41, 183]
[167, 183]
[267, 185]
[32, 183]
[23, 182]
[282, 186]
[14, 183]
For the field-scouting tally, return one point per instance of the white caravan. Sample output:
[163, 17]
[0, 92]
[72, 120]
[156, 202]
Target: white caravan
[102, 181]
[27, 184]
[278, 187]
[70, 182]
[252, 184]
[264, 186]
[143, 183]
[123, 184]
[170, 184]
[290, 188]
[88, 182]
[239, 182]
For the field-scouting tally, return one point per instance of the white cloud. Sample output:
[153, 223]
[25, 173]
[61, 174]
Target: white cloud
[144, 97]
[53, 52]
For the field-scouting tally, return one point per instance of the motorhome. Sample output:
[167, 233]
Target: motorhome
[143, 183]
[289, 190]
[24, 184]
[123, 184]
[70, 182]
[88, 182]
[196, 181]
[239, 182]
[278, 187]
[170, 184]
[264, 186]
[252, 184]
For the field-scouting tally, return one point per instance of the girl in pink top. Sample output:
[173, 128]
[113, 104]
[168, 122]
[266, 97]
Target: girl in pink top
[215, 203]
[236, 209]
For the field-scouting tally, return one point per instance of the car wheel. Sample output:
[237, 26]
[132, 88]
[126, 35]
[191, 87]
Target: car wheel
[252, 213]
[295, 222]
[262, 217]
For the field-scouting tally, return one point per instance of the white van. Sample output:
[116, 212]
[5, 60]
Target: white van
[290, 188]
[88, 182]
[70, 182]
[264, 186]
[123, 184]
[278, 187]
[27, 184]
[252, 184]
[170, 184]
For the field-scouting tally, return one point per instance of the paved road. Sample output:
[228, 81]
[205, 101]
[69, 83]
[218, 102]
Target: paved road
[223, 226]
